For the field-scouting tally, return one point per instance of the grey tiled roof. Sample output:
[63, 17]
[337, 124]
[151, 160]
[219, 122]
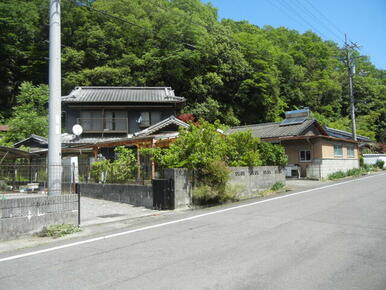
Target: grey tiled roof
[164, 123]
[37, 138]
[274, 130]
[345, 135]
[68, 139]
[122, 94]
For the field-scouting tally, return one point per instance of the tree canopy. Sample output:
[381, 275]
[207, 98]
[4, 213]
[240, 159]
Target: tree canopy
[242, 72]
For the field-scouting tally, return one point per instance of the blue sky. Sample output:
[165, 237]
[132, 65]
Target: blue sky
[364, 21]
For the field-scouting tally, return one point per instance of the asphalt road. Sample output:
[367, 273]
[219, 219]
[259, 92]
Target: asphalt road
[330, 238]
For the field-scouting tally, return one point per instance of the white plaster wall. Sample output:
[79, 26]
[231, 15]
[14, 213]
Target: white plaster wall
[372, 158]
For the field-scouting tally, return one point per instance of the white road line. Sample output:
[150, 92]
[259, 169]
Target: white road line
[178, 221]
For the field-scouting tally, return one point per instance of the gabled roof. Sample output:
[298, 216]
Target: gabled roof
[160, 125]
[39, 140]
[345, 135]
[13, 153]
[275, 130]
[122, 95]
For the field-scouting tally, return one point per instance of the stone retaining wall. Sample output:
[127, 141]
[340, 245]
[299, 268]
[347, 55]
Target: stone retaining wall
[138, 195]
[26, 215]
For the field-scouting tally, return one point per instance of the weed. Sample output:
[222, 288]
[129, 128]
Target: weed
[57, 231]
[277, 186]
[337, 175]
[380, 163]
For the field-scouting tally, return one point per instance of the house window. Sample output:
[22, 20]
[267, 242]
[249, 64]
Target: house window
[155, 117]
[91, 120]
[115, 121]
[144, 119]
[305, 156]
[350, 151]
[338, 151]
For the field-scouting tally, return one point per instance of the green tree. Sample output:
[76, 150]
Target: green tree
[29, 116]
[121, 170]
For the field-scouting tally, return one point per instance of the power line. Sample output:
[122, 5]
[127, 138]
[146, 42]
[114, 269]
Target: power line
[285, 6]
[323, 24]
[325, 17]
[273, 3]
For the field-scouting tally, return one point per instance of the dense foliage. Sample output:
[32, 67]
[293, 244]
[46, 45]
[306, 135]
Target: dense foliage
[241, 72]
[121, 170]
[29, 116]
[206, 150]
[199, 147]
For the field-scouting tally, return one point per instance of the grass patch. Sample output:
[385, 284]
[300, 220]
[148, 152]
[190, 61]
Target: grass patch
[57, 231]
[274, 188]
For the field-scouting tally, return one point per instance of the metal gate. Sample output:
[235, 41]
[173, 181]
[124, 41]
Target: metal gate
[163, 194]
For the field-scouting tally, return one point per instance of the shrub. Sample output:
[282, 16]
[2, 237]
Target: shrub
[352, 172]
[272, 154]
[337, 175]
[215, 174]
[99, 170]
[380, 163]
[204, 194]
[120, 170]
[277, 186]
[3, 185]
[361, 161]
[212, 181]
[356, 172]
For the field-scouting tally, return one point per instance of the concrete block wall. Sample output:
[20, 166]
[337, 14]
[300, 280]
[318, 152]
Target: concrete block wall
[182, 179]
[138, 195]
[25, 215]
[322, 168]
[252, 180]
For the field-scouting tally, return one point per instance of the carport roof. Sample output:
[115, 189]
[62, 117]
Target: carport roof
[13, 153]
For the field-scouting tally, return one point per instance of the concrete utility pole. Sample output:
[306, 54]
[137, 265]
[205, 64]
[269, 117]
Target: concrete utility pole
[350, 71]
[54, 119]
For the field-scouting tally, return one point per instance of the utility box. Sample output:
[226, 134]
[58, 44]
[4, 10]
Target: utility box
[163, 194]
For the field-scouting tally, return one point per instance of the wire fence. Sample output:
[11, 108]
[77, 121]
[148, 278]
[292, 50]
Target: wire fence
[34, 179]
[21, 178]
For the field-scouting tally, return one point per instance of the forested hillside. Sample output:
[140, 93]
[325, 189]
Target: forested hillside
[243, 73]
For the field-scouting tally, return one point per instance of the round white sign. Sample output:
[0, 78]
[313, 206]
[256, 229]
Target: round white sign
[77, 129]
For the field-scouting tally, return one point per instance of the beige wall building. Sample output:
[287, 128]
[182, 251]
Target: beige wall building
[313, 151]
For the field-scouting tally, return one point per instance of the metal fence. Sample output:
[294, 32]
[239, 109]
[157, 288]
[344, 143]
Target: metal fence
[34, 178]
[21, 178]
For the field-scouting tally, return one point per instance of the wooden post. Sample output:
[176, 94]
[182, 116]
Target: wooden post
[152, 161]
[138, 163]
[95, 152]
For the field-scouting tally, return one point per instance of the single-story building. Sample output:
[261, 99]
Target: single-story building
[313, 151]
